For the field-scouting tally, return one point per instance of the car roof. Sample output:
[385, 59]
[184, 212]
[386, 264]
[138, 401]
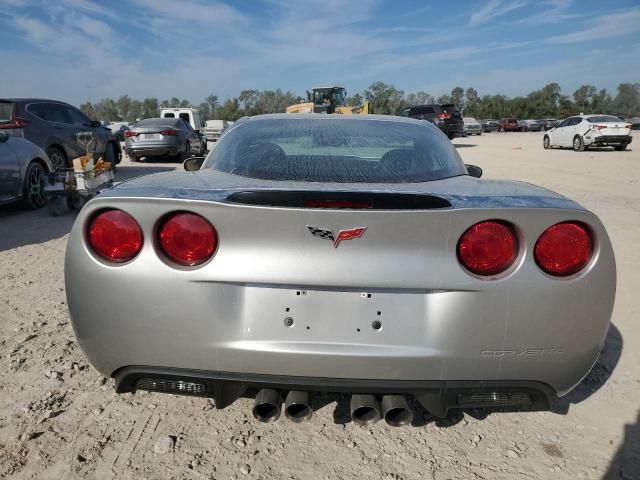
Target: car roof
[342, 118]
[31, 100]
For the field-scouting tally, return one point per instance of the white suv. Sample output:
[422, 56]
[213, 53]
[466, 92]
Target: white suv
[584, 131]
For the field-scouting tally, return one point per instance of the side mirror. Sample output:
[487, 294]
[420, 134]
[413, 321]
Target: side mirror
[474, 170]
[4, 136]
[193, 164]
[95, 124]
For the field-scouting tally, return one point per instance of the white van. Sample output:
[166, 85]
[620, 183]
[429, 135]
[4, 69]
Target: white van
[214, 129]
[190, 115]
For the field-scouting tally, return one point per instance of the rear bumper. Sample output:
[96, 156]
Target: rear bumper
[438, 397]
[611, 140]
[153, 150]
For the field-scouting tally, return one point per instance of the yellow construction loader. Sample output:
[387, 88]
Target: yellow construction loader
[328, 100]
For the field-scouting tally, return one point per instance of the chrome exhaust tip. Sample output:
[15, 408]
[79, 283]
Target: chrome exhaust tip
[396, 410]
[297, 406]
[365, 409]
[266, 408]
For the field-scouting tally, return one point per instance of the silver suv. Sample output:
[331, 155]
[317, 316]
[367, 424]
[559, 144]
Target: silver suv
[54, 126]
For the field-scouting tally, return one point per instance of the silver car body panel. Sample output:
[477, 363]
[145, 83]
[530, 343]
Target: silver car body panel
[438, 321]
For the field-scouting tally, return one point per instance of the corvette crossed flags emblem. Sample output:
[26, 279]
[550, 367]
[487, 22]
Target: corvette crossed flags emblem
[349, 234]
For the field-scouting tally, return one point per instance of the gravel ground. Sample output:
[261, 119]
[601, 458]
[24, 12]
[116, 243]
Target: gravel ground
[61, 419]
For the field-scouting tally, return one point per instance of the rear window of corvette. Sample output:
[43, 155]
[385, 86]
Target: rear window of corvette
[336, 150]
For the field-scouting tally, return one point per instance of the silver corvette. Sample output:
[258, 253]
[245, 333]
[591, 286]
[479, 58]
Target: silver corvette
[326, 253]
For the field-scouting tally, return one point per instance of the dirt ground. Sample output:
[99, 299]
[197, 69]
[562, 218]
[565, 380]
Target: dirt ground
[60, 419]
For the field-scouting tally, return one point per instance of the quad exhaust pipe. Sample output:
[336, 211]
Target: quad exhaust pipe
[297, 406]
[267, 406]
[396, 410]
[365, 409]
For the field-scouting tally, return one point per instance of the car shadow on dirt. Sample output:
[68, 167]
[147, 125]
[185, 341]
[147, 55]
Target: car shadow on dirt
[464, 145]
[599, 374]
[626, 462]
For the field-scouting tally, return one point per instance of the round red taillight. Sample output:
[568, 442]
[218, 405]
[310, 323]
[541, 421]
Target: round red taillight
[488, 248]
[187, 239]
[564, 249]
[115, 236]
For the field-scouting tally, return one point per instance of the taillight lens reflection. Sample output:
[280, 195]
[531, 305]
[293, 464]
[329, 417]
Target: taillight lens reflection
[564, 249]
[488, 248]
[187, 239]
[115, 236]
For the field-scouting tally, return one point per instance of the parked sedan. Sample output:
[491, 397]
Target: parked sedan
[635, 123]
[530, 126]
[288, 264]
[56, 127]
[472, 126]
[508, 125]
[489, 125]
[584, 131]
[154, 137]
[22, 167]
[549, 123]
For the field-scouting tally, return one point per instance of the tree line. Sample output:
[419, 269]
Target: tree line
[547, 102]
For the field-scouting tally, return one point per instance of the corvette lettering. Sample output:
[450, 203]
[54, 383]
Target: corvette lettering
[531, 352]
[325, 234]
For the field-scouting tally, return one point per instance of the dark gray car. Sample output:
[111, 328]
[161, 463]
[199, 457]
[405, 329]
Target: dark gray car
[54, 127]
[154, 137]
[22, 166]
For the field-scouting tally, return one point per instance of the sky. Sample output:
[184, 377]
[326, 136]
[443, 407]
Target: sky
[79, 50]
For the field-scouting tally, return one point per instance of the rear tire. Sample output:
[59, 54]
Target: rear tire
[32, 189]
[57, 157]
[56, 205]
[578, 144]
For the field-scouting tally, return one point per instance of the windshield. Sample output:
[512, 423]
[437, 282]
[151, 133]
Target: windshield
[5, 111]
[321, 97]
[603, 118]
[336, 150]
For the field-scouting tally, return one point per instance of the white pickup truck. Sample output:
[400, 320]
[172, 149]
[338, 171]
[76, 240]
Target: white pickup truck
[214, 128]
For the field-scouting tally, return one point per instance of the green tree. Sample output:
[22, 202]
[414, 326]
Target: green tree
[135, 112]
[229, 110]
[627, 101]
[355, 100]
[106, 109]
[212, 100]
[88, 109]
[247, 98]
[384, 99]
[205, 111]
[457, 97]
[124, 105]
[419, 98]
[583, 98]
[150, 108]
